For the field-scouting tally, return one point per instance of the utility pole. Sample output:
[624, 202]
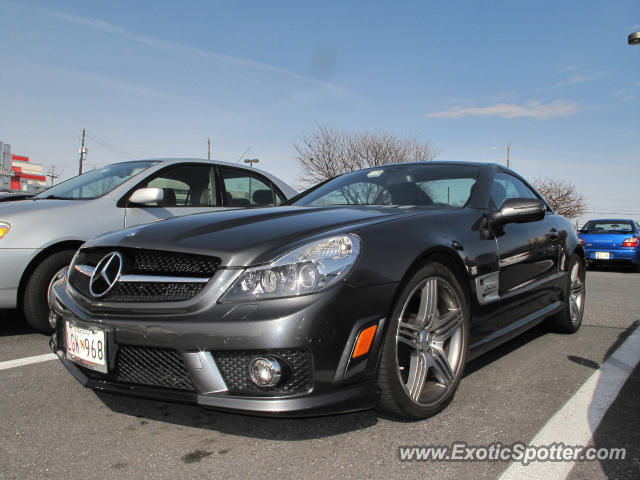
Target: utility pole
[52, 174]
[83, 151]
[508, 149]
[208, 148]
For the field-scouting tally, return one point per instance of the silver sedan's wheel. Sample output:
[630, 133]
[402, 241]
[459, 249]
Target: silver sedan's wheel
[429, 341]
[35, 302]
[59, 274]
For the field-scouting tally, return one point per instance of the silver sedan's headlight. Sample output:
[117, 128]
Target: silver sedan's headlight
[4, 229]
[307, 269]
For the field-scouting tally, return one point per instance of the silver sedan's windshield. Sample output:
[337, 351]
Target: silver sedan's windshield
[421, 184]
[96, 183]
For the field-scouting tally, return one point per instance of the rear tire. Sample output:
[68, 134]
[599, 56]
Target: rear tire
[425, 346]
[570, 319]
[35, 304]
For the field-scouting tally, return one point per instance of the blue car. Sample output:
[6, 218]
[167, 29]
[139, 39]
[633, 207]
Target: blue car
[611, 241]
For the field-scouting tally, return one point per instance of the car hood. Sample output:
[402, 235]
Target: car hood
[247, 237]
[8, 210]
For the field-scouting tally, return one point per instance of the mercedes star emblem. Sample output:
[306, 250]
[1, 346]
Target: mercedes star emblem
[106, 274]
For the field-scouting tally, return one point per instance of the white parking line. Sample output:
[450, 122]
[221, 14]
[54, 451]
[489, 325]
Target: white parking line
[578, 419]
[27, 361]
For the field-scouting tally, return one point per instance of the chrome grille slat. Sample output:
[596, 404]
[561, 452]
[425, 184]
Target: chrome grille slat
[147, 276]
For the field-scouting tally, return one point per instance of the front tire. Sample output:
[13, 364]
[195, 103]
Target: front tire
[425, 347]
[35, 303]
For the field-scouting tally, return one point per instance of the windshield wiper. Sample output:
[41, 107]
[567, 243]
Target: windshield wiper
[53, 197]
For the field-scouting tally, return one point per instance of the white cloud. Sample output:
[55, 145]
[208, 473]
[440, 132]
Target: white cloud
[624, 94]
[534, 109]
[166, 44]
[578, 78]
[169, 45]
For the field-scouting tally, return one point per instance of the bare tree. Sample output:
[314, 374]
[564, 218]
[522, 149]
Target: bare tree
[327, 152]
[561, 195]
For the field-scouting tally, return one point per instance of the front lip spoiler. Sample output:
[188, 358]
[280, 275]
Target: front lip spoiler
[353, 398]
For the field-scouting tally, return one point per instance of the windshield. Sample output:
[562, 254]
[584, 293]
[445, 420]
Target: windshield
[411, 184]
[96, 183]
[608, 226]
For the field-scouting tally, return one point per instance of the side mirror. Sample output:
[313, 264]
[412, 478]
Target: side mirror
[145, 196]
[519, 210]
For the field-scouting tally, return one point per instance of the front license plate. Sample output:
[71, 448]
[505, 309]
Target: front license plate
[87, 347]
[603, 255]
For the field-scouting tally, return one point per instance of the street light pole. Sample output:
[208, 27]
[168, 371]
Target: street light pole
[251, 161]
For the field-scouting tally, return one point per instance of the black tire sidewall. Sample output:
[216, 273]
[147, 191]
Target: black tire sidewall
[34, 305]
[397, 402]
[563, 321]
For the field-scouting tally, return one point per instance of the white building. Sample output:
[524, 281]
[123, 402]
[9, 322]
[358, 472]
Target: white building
[18, 174]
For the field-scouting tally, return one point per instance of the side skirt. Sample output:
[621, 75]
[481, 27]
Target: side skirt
[512, 330]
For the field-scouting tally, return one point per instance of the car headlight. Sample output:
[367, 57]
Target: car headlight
[4, 229]
[307, 269]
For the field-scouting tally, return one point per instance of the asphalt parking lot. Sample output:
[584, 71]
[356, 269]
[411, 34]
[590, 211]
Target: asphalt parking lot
[52, 427]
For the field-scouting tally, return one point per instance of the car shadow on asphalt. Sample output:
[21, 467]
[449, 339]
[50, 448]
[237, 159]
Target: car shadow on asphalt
[619, 427]
[12, 323]
[280, 429]
[506, 348]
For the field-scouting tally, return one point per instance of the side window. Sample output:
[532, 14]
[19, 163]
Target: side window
[247, 189]
[454, 192]
[186, 186]
[507, 186]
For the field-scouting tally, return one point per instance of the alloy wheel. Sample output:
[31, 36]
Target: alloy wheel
[429, 341]
[576, 293]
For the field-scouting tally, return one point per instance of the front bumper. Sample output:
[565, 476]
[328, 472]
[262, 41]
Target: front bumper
[325, 326]
[13, 263]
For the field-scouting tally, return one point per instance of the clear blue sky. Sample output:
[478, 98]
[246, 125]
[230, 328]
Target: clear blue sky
[557, 80]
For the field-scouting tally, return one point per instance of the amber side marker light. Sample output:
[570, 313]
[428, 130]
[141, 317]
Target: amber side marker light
[363, 344]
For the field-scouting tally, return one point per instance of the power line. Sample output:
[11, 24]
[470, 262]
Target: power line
[51, 173]
[243, 154]
[111, 148]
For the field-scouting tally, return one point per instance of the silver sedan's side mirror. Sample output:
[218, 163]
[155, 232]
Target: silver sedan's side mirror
[145, 196]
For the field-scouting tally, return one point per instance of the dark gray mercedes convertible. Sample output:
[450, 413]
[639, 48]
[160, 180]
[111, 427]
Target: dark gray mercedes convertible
[373, 289]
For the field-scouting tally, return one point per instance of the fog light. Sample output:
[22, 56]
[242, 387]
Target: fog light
[53, 319]
[265, 371]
